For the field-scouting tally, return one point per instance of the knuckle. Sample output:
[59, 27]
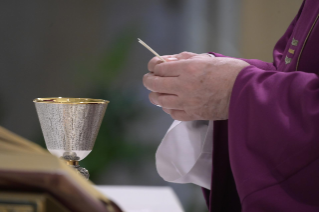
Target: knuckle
[185, 53]
[152, 63]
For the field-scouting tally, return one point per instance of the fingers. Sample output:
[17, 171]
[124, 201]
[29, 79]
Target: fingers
[179, 115]
[170, 69]
[168, 85]
[169, 58]
[167, 101]
[155, 61]
[185, 55]
[170, 105]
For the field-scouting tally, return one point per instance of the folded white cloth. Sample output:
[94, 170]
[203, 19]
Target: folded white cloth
[185, 153]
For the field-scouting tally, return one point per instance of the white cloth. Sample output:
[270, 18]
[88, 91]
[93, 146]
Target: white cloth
[185, 153]
[143, 198]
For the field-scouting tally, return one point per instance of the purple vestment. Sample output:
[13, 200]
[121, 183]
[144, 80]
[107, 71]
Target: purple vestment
[265, 157]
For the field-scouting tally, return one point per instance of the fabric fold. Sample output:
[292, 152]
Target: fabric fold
[185, 153]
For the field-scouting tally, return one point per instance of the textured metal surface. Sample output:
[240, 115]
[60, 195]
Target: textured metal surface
[70, 128]
[83, 171]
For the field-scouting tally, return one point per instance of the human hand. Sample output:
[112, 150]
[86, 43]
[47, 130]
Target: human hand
[193, 86]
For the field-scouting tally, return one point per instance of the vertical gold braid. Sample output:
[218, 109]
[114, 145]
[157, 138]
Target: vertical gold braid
[303, 46]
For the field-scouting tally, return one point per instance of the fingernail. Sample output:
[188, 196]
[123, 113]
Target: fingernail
[172, 58]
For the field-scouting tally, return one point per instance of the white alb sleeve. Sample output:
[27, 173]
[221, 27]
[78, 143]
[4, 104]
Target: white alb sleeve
[185, 153]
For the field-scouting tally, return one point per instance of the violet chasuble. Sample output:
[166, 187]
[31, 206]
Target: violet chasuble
[265, 157]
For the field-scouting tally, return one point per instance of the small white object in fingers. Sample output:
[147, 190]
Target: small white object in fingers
[172, 58]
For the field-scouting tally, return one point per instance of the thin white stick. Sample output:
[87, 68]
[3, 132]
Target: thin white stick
[149, 48]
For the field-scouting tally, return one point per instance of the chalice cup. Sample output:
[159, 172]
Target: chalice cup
[70, 126]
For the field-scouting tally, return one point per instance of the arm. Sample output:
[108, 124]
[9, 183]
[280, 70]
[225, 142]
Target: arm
[273, 127]
[255, 62]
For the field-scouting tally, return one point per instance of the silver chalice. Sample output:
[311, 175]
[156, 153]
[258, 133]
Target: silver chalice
[70, 126]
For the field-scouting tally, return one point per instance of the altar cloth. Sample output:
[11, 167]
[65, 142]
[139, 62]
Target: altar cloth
[143, 198]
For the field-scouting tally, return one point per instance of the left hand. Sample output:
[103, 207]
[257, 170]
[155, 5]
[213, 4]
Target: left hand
[193, 86]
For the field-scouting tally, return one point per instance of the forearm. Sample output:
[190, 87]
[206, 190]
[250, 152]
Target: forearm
[277, 116]
[257, 63]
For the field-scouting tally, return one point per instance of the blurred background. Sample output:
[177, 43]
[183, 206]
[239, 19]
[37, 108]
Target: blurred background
[81, 48]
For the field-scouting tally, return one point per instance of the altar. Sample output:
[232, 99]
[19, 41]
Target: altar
[33, 180]
[143, 198]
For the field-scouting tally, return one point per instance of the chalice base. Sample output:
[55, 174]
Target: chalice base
[75, 164]
[72, 159]
[81, 154]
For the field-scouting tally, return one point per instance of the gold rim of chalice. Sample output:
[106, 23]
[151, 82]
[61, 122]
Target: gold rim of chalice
[67, 100]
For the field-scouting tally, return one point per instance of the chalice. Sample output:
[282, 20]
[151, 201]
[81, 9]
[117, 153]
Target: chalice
[70, 126]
